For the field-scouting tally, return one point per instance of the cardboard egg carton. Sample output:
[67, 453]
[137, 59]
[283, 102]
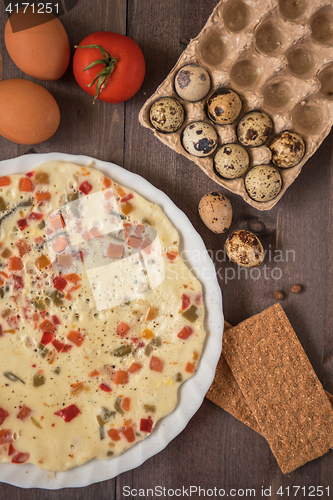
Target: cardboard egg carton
[278, 56]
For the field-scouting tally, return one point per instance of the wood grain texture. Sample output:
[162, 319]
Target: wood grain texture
[215, 449]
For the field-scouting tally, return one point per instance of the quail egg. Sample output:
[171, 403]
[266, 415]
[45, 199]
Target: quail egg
[254, 128]
[244, 248]
[167, 114]
[231, 161]
[224, 106]
[192, 83]
[263, 182]
[287, 148]
[216, 212]
[200, 139]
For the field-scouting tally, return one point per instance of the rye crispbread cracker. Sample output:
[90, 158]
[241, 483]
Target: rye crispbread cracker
[280, 387]
[225, 392]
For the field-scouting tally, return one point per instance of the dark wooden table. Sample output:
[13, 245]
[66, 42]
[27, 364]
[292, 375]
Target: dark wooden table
[214, 450]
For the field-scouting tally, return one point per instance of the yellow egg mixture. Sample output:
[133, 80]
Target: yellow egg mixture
[100, 319]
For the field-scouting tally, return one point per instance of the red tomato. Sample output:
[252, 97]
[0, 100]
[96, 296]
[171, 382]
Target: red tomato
[127, 75]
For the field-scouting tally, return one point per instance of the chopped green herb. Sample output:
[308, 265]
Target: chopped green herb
[150, 408]
[12, 377]
[122, 351]
[102, 432]
[3, 205]
[148, 350]
[36, 423]
[118, 407]
[38, 380]
[191, 314]
[156, 341]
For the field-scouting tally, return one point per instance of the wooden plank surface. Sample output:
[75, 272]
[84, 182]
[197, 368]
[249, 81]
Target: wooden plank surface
[214, 450]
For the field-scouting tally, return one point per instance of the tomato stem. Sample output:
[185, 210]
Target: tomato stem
[102, 76]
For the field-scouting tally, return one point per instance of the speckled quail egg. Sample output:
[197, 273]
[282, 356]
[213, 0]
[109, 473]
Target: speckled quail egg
[192, 83]
[199, 139]
[231, 161]
[254, 128]
[215, 211]
[167, 114]
[224, 106]
[287, 148]
[263, 182]
[244, 248]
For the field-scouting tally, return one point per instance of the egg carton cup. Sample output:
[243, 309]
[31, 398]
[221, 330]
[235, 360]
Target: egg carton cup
[278, 56]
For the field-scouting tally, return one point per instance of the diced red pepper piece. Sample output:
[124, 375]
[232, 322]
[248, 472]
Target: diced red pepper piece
[35, 216]
[47, 326]
[126, 404]
[42, 197]
[105, 388]
[107, 182]
[30, 174]
[129, 434]
[3, 415]
[59, 283]
[60, 346]
[47, 338]
[72, 278]
[126, 198]
[24, 412]
[85, 187]
[76, 337]
[122, 329]
[189, 367]
[23, 247]
[115, 251]
[26, 185]
[57, 221]
[172, 255]
[146, 424]
[127, 208]
[18, 282]
[55, 320]
[134, 241]
[135, 367]
[156, 364]
[114, 435]
[15, 264]
[68, 413]
[4, 180]
[20, 458]
[186, 301]
[22, 224]
[11, 449]
[6, 436]
[120, 377]
[185, 332]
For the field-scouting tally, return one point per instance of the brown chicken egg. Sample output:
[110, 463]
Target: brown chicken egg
[37, 43]
[29, 114]
[215, 211]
